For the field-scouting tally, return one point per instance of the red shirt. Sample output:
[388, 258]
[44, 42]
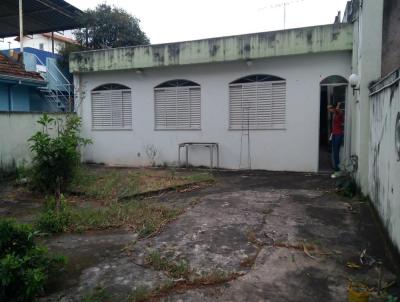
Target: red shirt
[338, 121]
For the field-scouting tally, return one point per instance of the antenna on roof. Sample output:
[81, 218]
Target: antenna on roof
[282, 4]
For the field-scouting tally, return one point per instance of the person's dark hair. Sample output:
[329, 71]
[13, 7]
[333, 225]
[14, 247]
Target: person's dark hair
[334, 104]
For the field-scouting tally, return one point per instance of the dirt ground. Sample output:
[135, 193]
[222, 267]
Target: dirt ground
[252, 236]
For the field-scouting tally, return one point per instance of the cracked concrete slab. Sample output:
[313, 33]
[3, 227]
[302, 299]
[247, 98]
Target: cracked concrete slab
[295, 232]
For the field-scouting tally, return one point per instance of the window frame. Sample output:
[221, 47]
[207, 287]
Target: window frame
[268, 124]
[174, 84]
[108, 88]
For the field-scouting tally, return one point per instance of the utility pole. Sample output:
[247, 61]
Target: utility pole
[21, 28]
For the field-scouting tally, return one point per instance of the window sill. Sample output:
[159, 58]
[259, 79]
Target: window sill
[112, 129]
[176, 129]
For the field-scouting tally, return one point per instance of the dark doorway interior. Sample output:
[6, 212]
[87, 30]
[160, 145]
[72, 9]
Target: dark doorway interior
[333, 90]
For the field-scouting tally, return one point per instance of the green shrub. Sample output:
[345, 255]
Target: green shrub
[24, 266]
[56, 153]
[55, 219]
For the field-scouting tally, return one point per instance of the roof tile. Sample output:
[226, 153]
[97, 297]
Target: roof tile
[9, 67]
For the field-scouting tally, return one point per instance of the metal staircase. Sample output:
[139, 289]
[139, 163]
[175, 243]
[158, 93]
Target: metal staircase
[58, 92]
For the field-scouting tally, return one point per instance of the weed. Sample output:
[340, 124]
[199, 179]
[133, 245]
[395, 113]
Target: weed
[97, 295]
[147, 219]
[391, 298]
[175, 269]
[140, 294]
[25, 266]
[53, 219]
[267, 211]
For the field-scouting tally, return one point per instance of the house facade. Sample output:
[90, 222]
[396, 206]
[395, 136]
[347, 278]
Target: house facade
[257, 96]
[47, 41]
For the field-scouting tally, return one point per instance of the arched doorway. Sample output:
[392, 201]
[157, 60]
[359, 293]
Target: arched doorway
[333, 90]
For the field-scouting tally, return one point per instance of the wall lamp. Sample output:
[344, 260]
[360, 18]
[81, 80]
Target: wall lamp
[354, 81]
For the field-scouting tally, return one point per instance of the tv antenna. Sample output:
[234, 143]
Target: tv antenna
[283, 4]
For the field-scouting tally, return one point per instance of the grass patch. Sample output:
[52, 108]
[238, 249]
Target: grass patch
[140, 294]
[175, 269]
[145, 218]
[110, 184]
[182, 285]
[97, 295]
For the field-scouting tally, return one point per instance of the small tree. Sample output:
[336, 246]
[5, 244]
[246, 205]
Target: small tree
[56, 156]
[109, 27]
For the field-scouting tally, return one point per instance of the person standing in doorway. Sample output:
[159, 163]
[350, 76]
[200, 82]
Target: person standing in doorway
[337, 135]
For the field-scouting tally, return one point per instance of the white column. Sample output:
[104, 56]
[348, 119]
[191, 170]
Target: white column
[21, 28]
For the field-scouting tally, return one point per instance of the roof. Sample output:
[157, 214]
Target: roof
[61, 38]
[297, 41]
[15, 70]
[40, 16]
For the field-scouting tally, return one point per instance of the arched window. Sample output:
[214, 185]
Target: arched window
[257, 102]
[177, 105]
[111, 107]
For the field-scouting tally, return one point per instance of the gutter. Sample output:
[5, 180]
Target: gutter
[22, 80]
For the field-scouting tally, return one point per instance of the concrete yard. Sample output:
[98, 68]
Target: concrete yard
[253, 236]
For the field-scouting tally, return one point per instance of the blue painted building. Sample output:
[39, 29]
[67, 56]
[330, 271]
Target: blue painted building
[19, 88]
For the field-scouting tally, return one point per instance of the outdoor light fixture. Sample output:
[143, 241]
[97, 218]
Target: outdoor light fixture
[354, 82]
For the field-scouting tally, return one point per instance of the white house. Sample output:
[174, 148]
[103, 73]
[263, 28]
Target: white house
[258, 96]
[45, 41]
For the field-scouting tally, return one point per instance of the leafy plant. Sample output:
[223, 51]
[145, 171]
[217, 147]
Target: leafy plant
[56, 156]
[52, 220]
[391, 298]
[24, 266]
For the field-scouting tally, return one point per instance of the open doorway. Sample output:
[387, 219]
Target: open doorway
[333, 90]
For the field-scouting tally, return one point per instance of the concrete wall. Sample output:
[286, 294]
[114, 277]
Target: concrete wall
[295, 148]
[366, 64]
[384, 173]
[324, 38]
[15, 130]
[391, 36]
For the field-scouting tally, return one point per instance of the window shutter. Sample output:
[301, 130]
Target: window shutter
[257, 105]
[111, 109]
[177, 108]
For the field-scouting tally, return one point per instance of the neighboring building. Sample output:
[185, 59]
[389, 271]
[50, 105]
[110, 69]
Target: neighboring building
[19, 88]
[46, 42]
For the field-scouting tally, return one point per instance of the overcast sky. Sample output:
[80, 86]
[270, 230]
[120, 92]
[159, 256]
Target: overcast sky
[179, 20]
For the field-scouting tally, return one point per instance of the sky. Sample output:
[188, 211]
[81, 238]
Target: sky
[180, 20]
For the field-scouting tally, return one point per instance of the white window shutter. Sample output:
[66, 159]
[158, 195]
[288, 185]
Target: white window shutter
[111, 109]
[177, 108]
[257, 105]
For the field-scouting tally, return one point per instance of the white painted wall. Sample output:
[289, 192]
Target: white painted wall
[384, 174]
[47, 45]
[294, 149]
[367, 64]
[15, 130]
